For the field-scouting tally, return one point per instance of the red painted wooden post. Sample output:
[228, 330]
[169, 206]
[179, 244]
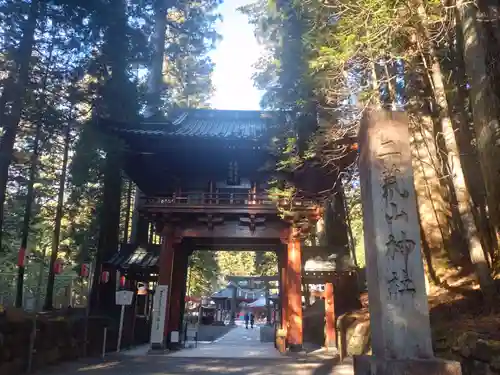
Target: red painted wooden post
[178, 279]
[294, 292]
[165, 275]
[331, 333]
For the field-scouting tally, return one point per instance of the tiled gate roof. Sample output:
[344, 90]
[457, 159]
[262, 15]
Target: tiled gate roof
[209, 123]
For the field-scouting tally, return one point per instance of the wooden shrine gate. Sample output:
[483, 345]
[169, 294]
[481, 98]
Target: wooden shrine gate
[200, 186]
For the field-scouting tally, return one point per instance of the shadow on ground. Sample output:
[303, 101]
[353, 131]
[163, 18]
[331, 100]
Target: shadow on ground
[163, 365]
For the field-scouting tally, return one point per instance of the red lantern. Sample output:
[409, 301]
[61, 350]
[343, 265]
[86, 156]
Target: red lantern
[58, 266]
[104, 277]
[123, 281]
[21, 257]
[85, 270]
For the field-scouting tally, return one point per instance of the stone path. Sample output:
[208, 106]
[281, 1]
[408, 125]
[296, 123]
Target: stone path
[166, 365]
[239, 352]
[237, 343]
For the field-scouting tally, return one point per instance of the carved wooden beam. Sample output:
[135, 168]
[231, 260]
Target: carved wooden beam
[252, 221]
[210, 220]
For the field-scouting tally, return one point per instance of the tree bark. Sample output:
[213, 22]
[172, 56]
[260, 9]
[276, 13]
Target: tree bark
[57, 221]
[15, 95]
[484, 105]
[30, 196]
[477, 255]
[118, 103]
[155, 81]
[465, 141]
[433, 207]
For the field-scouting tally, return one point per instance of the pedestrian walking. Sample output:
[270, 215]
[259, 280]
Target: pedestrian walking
[247, 318]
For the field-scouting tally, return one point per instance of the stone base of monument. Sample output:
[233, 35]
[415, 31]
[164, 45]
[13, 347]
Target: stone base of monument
[369, 365]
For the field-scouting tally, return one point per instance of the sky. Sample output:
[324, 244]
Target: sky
[233, 58]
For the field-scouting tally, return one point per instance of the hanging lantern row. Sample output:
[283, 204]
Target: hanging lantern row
[105, 275]
[21, 261]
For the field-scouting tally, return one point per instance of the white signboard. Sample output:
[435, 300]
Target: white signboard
[124, 297]
[159, 310]
[174, 336]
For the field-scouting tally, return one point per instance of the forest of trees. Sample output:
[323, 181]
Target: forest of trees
[66, 63]
[209, 269]
[438, 61]
[63, 65]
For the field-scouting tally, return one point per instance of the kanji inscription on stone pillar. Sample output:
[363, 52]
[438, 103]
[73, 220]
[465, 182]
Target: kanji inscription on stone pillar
[396, 281]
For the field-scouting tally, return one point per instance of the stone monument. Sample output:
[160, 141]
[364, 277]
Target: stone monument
[399, 312]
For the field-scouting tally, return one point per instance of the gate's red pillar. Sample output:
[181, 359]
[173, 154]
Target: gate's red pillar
[294, 292]
[284, 299]
[178, 282]
[330, 332]
[165, 270]
[280, 342]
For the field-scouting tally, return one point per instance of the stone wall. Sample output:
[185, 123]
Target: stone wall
[477, 354]
[60, 337]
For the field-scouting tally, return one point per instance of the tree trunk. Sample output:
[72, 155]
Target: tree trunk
[477, 255]
[117, 100]
[484, 105]
[155, 81]
[14, 96]
[465, 141]
[59, 215]
[30, 196]
[433, 206]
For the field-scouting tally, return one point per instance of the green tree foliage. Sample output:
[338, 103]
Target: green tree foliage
[355, 214]
[410, 55]
[63, 65]
[266, 264]
[209, 270]
[203, 274]
[235, 263]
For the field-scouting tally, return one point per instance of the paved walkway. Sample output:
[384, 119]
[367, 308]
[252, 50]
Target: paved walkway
[239, 352]
[237, 343]
[166, 365]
